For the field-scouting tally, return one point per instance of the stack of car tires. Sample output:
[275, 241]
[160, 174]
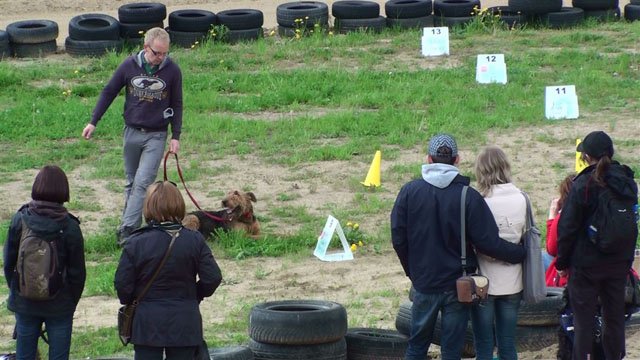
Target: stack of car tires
[137, 18]
[33, 38]
[241, 25]
[298, 329]
[407, 14]
[600, 10]
[357, 16]
[93, 35]
[188, 27]
[301, 17]
[5, 47]
[452, 13]
[632, 10]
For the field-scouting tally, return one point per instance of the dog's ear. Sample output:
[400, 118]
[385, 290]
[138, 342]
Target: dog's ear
[252, 196]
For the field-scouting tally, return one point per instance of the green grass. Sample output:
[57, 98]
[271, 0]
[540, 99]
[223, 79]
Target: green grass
[291, 103]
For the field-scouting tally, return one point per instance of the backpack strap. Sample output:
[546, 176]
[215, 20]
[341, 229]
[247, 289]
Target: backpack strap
[174, 235]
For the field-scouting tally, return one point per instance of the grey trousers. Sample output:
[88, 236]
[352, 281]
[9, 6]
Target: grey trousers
[142, 153]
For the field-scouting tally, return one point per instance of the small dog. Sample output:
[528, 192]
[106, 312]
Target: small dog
[236, 215]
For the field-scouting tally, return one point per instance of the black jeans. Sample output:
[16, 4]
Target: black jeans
[586, 286]
[156, 353]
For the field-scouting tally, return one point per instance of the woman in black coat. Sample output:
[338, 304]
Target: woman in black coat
[168, 318]
[48, 219]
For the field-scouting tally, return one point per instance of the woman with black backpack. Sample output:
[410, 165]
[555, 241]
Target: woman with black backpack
[44, 236]
[597, 235]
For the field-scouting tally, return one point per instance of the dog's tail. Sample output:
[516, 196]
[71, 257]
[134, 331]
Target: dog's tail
[191, 222]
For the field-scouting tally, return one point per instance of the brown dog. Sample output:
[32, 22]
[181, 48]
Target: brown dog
[236, 215]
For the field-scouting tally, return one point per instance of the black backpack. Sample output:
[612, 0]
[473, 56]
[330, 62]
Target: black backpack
[614, 225]
[40, 272]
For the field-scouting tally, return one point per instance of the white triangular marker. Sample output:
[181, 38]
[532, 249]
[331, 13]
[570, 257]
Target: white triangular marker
[325, 239]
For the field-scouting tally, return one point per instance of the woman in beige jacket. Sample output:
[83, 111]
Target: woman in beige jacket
[498, 314]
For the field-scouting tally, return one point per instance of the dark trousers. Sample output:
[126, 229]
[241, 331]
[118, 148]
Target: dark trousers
[586, 286]
[156, 353]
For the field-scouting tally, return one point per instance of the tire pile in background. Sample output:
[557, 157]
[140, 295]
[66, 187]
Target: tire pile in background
[96, 34]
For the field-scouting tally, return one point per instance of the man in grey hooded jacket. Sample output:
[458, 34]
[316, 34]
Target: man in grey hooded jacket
[425, 232]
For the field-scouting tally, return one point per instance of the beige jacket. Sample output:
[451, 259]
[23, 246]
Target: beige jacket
[509, 210]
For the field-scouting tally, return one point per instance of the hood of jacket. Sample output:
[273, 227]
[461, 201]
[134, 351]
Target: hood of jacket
[439, 175]
[41, 224]
[620, 180]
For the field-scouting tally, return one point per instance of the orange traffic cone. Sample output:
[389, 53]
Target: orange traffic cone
[373, 176]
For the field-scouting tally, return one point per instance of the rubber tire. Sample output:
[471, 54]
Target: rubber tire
[91, 48]
[34, 50]
[243, 35]
[137, 30]
[408, 9]
[403, 318]
[241, 19]
[590, 5]
[508, 16]
[632, 12]
[375, 25]
[634, 2]
[297, 322]
[94, 27]
[32, 31]
[544, 313]
[286, 32]
[186, 39]
[375, 344]
[362, 9]
[455, 8]
[451, 22]
[311, 12]
[535, 7]
[231, 353]
[192, 20]
[336, 350]
[603, 15]
[142, 12]
[411, 23]
[566, 17]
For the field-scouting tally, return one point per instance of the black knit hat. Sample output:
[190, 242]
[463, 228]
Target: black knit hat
[596, 144]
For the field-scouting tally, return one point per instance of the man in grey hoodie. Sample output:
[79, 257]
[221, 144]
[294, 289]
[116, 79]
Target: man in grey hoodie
[425, 232]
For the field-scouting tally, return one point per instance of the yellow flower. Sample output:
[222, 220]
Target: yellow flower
[360, 243]
[349, 224]
[77, 71]
[331, 33]
[356, 226]
[273, 32]
[354, 247]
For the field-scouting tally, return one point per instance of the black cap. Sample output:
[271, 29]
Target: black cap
[596, 144]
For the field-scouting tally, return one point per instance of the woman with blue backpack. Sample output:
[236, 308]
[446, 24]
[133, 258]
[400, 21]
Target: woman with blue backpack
[597, 235]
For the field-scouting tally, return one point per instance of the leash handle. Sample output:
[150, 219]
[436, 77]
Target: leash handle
[166, 157]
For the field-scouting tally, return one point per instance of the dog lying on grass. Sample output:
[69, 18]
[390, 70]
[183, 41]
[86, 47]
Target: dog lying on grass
[236, 215]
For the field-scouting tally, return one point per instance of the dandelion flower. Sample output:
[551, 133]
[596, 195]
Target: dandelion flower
[273, 32]
[349, 224]
[76, 71]
[356, 226]
[354, 247]
[360, 243]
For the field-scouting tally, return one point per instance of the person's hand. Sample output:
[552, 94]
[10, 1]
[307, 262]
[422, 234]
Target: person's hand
[553, 208]
[174, 146]
[88, 130]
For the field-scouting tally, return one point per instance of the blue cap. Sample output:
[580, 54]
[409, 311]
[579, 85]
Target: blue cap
[443, 145]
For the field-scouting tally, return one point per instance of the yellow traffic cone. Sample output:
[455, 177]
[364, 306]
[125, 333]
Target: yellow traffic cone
[580, 164]
[373, 176]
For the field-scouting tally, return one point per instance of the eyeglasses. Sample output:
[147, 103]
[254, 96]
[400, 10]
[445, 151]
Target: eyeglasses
[158, 53]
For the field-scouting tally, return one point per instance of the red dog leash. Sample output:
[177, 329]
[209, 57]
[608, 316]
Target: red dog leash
[216, 218]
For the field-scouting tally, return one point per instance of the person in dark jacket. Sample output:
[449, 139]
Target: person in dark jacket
[167, 319]
[153, 102]
[46, 215]
[594, 274]
[425, 232]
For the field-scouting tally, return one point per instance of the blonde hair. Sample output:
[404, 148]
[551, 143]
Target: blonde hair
[492, 167]
[156, 33]
[163, 203]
